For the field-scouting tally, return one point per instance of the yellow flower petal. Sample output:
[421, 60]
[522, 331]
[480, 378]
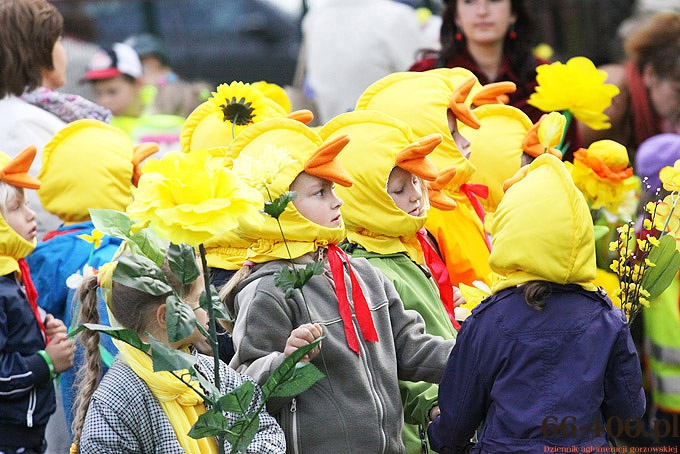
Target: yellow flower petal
[577, 86]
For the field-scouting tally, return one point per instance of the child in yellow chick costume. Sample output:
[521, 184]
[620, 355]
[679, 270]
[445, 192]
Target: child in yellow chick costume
[385, 211]
[370, 340]
[546, 346]
[429, 103]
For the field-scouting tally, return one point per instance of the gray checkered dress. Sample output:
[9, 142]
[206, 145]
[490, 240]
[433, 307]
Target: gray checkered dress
[124, 417]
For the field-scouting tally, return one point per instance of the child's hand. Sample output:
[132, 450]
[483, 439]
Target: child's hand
[301, 336]
[458, 299]
[54, 326]
[61, 350]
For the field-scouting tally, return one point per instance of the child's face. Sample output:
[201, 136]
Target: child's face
[117, 94]
[316, 200]
[20, 217]
[406, 191]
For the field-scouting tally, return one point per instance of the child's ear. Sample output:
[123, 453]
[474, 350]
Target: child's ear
[160, 316]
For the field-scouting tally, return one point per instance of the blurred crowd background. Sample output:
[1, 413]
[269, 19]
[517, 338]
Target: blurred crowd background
[222, 40]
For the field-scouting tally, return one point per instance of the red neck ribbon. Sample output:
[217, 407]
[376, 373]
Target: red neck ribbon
[441, 275]
[473, 191]
[32, 295]
[336, 259]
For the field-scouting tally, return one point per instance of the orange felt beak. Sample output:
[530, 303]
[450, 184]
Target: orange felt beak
[494, 93]
[414, 158]
[303, 116]
[142, 151]
[323, 164]
[15, 172]
[533, 147]
[458, 106]
[438, 199]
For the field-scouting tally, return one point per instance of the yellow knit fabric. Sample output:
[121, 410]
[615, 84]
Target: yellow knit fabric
[543, 230]
[181, 404]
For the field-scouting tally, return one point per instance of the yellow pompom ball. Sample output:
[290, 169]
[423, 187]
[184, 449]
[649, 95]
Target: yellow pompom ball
[612, 153]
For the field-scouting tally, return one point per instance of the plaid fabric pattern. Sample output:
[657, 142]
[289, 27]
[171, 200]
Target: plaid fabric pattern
[124, 417]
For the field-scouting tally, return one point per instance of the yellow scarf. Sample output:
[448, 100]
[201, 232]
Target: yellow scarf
[180, 403]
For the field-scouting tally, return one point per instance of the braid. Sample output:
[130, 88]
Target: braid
[228, 290]
[87, 378]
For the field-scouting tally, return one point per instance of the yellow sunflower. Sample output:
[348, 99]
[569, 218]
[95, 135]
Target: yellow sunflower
[577, 86]
[240, 104]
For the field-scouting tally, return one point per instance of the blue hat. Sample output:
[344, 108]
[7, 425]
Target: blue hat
[654, 154]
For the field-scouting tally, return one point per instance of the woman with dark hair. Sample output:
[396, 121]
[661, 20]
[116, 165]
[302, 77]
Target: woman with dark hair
[32, 66]
[493, 39]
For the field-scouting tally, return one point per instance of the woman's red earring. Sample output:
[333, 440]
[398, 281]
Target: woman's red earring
[512, 34]
[458, 36]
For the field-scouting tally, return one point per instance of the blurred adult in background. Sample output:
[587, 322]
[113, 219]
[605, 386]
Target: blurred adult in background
[493, 39]
[80, 34]
[349, 44]
[649, 81]
[171, 94]
[33, 65]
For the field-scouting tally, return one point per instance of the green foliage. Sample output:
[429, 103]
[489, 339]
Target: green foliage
[289, 279]
[219, 311]
[118, 224]
[183, 264]
[666, 259]
[278, 206]
[123, 334]
[179, 319]
[141, 274]
[169, 359]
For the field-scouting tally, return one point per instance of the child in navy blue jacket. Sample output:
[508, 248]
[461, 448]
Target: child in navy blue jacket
[33, 347]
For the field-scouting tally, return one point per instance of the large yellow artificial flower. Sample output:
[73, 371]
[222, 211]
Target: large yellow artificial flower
[602, 174]
[188, 199]
[577, 86]
[670, 177]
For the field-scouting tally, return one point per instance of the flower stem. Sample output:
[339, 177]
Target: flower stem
[562, 146]
[213, 332]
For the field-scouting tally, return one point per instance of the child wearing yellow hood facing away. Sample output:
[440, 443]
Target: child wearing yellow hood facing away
[370, 341]
[546, 362]
[384, 213]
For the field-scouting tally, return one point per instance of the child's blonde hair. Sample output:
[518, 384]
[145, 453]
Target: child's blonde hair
[8, 193]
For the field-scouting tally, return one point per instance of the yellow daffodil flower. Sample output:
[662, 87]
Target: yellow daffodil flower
[95, 238]
[186, 199]
[670, 177]
[577, 86]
